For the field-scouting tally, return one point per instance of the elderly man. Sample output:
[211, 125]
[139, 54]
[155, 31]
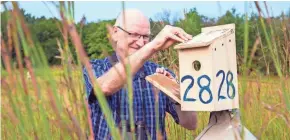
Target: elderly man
[130, 36]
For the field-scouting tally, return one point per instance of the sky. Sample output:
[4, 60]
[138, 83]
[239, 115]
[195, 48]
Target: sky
[99, 10]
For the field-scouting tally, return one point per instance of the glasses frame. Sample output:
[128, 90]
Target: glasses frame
[138, 35]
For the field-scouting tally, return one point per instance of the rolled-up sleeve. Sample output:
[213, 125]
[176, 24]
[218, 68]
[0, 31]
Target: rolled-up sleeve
[98, 71]
[88, 84]
[170, 108]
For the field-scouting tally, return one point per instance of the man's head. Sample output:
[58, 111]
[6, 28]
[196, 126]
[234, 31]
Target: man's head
[131, 31]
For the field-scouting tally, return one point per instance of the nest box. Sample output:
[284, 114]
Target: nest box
[208, 72]
[208, 82]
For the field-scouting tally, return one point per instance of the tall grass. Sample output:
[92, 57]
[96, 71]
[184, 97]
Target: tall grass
[52, 105]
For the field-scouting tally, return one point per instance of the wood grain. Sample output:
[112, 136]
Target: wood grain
[165, 84]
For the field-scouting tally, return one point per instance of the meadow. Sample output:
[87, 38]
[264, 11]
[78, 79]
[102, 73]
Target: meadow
[261, 105]
[50, 101]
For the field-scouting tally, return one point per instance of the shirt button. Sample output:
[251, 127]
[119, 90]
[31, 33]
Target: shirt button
[142, 75]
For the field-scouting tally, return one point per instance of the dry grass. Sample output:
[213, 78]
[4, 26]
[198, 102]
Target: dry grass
[262, 109]
[51, 104]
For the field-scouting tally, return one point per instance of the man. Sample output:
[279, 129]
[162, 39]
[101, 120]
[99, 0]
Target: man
[130, 36]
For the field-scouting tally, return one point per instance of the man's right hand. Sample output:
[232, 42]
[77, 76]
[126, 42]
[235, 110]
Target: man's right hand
[168, 36]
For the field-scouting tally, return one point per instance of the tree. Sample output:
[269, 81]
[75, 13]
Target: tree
[46, 32]
[191, 23]
[95, 39]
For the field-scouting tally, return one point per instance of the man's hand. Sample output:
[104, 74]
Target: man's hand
[169, 35]
[164, 72]
[167, 74]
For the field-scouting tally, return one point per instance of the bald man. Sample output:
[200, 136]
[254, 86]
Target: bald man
[131, 38]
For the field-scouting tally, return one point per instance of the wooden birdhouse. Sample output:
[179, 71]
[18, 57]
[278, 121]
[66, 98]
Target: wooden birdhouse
[208, 70]
[208, 82]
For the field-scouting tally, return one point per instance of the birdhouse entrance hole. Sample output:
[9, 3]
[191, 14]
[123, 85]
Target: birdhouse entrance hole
[196, 65]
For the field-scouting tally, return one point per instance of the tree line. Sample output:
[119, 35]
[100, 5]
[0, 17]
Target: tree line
[94, 35]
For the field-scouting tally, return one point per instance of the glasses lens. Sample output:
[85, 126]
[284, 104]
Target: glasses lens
[135, 36]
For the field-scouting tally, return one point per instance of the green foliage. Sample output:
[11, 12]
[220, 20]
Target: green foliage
[47, 32]
[192, 23]
[95, 37]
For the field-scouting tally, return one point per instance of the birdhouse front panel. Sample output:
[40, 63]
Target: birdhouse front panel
[195, 74]
[208, 70]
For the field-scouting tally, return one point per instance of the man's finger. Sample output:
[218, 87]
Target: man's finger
[181, 35]
[174, 37]
[163, 71]
[158, 70]
[188, 36]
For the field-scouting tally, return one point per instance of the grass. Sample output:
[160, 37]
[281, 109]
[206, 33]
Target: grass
[262, 122]
[51, 104]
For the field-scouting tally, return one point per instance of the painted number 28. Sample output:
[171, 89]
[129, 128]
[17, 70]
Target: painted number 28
[205, 89]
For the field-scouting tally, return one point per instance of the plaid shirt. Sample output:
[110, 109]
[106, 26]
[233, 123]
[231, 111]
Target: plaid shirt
[118, 102]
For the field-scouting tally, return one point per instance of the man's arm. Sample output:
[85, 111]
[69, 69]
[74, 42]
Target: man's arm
[187, 119]
[115, 78]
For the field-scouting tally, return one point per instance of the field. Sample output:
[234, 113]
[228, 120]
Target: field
[41, 101]
[263, 122]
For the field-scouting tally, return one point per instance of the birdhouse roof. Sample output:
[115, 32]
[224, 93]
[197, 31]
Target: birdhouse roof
[205, 39]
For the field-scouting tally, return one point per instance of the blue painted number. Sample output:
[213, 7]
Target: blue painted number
[204, 88]
[188, 88]
[230, 84]
[220, 97]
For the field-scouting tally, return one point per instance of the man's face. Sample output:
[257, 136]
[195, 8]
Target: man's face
[132, 37]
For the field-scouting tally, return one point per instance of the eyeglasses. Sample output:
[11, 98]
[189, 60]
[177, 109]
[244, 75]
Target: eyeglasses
[136, 36]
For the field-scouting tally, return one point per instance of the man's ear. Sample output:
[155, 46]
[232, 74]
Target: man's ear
[115, 29]
[114, 33]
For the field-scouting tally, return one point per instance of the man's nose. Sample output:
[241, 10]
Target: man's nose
[140, 42]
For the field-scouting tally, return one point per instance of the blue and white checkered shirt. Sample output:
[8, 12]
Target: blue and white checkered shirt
[118, 102]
